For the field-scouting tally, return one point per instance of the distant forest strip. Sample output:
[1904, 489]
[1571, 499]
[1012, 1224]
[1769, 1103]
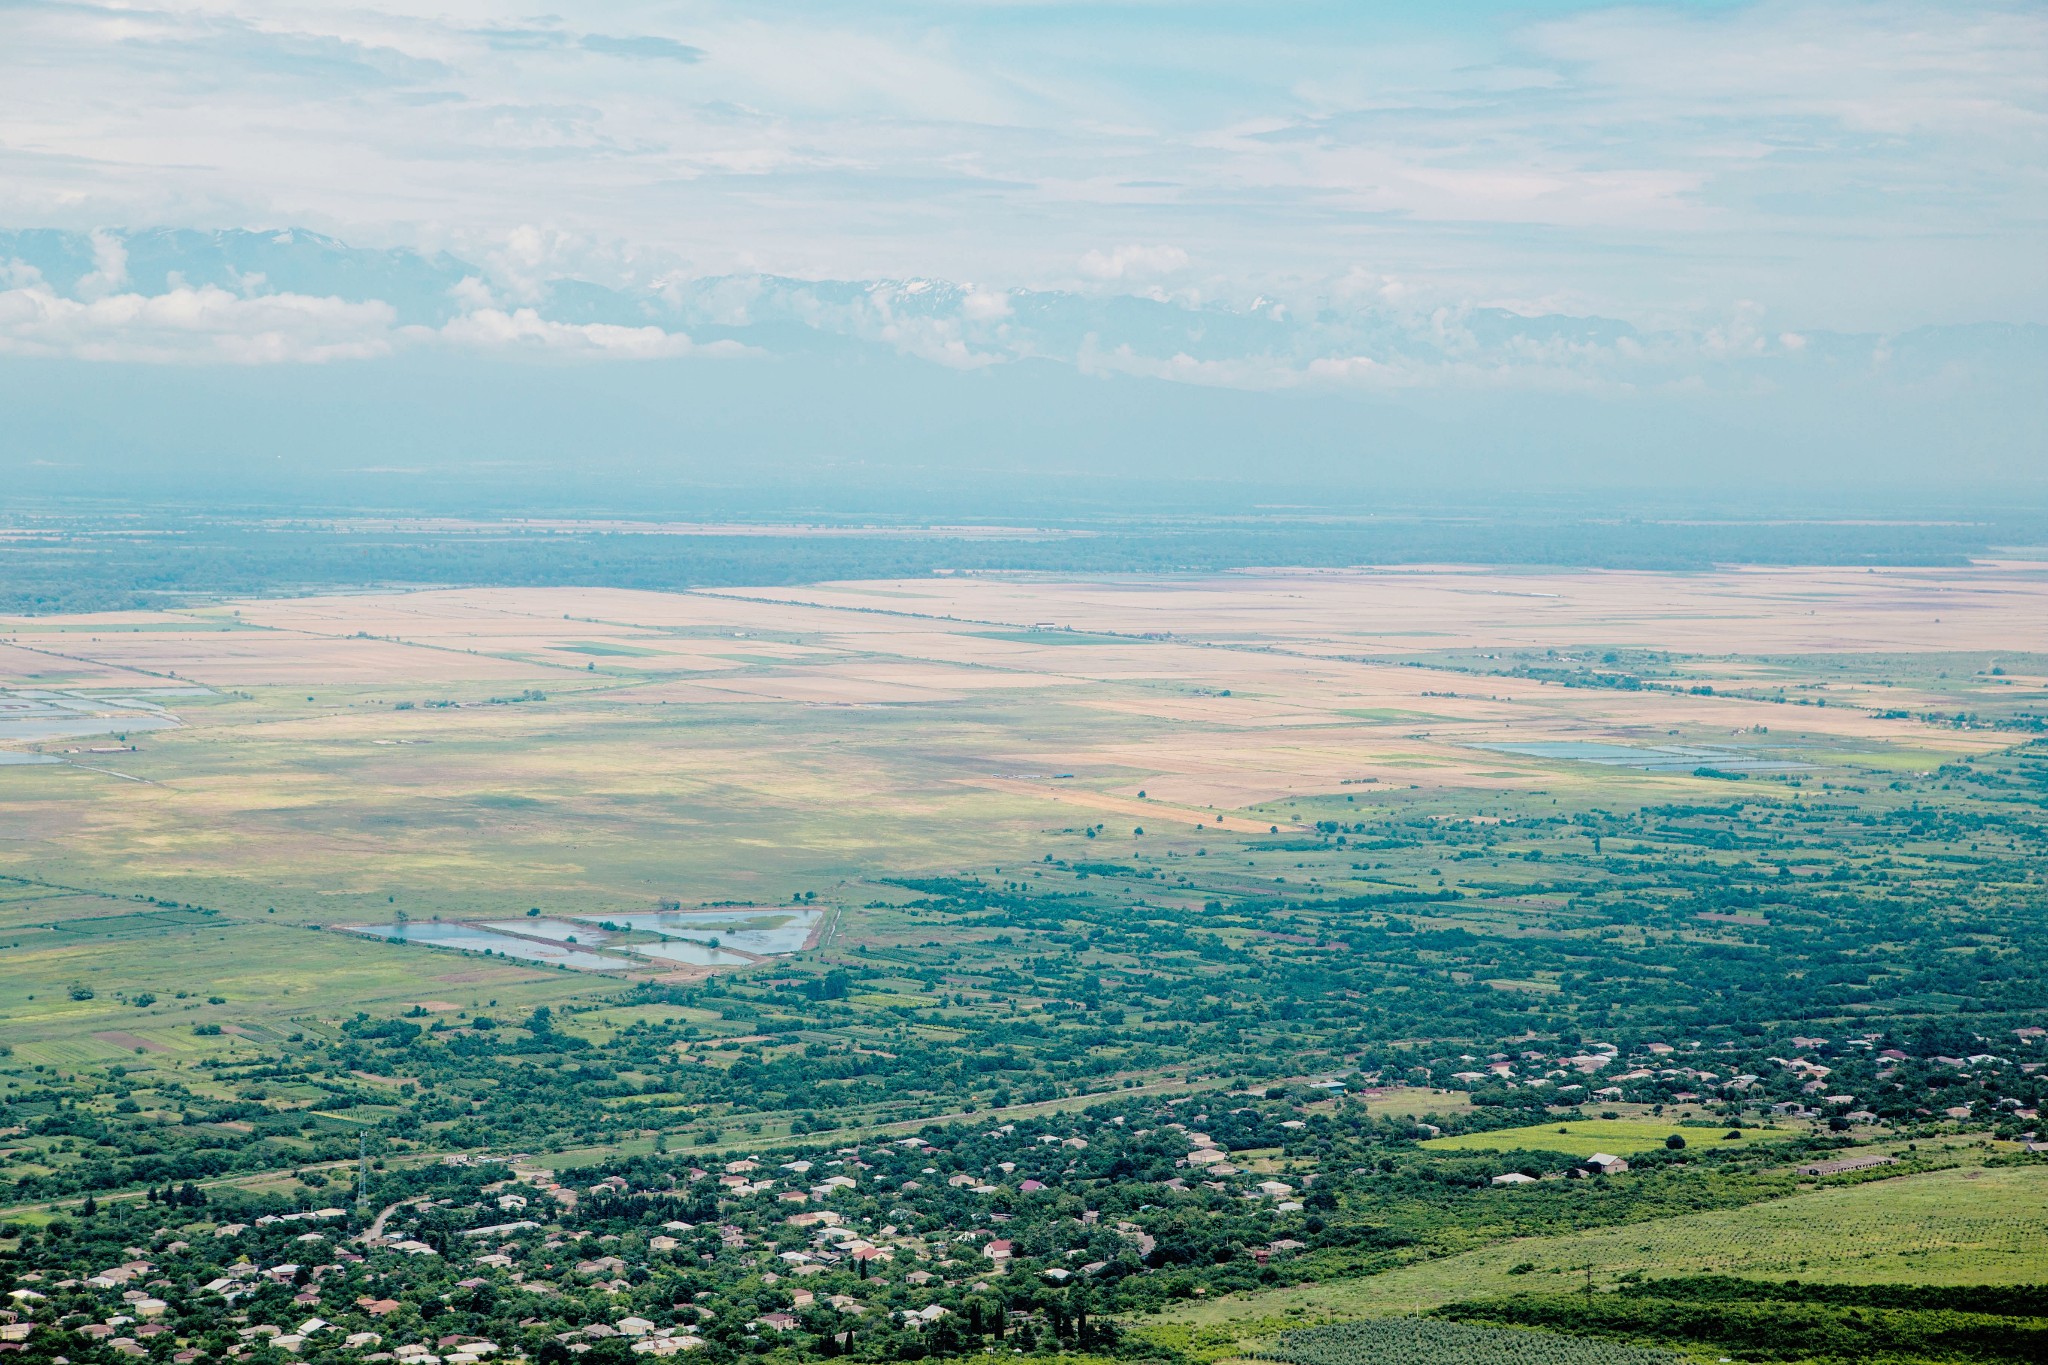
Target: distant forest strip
[117, 567]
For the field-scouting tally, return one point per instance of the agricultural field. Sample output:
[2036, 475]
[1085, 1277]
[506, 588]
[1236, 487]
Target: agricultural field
[1215, 941]
[454, 753]
[1963, 1226]
[1584, 1137]
[1420, 1341]
[1960, 1226]
[1765, 1277]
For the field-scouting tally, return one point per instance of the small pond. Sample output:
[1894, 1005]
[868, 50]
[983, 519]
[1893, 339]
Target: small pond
[696, 954]
[765, 931]
[476, 939]
[560, 930]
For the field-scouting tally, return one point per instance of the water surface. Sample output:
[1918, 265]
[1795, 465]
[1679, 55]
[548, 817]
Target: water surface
[763, 931]
[1656, 758]
[475, 939]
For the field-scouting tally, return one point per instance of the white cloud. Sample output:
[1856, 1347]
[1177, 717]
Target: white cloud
[1134, 262]
[524, 328]
[1877, 156]
[472, 293]
[984, 305]
[109, 266]
[207, 324]
[211, 325]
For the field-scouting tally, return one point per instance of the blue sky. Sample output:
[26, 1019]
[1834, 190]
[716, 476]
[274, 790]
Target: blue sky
[1357, 191]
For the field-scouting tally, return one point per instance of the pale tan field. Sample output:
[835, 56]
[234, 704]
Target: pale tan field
[363, 749]
[1734, 611]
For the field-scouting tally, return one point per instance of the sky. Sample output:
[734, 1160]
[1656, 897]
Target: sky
[1788, 209]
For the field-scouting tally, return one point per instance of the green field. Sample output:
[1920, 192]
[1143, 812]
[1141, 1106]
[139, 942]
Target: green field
[1584, 1137]
[1954, 1227]
[1419, 1102]
[1421, 1341]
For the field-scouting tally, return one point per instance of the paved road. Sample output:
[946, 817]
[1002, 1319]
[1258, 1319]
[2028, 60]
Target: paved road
[376, 1228]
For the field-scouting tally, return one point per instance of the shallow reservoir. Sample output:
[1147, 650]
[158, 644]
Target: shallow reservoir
[476, 939]
[764, 931]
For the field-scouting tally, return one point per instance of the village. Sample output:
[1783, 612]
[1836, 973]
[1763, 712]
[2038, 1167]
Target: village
[1025, 1234]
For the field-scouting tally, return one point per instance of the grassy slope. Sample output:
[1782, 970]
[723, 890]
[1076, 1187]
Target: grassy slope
[1966, 1226]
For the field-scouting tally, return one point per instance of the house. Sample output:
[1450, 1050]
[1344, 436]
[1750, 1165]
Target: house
[1603, 1163]
[1514, 1178]
[666, 1346]
[817, 1216]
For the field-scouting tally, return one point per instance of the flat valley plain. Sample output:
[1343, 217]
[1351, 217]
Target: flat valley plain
[476, 754]
[361, 752]
[1120, 838]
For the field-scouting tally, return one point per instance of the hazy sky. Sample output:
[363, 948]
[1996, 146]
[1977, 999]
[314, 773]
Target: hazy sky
[1842, 165]
[1795, 230]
